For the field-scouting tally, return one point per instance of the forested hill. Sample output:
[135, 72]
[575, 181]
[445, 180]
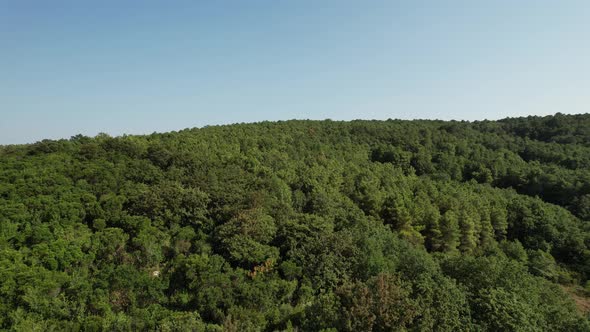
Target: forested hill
[301, 226]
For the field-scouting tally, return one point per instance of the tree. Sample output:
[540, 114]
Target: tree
[468, 240]
[450, 231]
[245, 238]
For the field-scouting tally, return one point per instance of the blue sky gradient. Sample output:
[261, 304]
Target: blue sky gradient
[69, 67]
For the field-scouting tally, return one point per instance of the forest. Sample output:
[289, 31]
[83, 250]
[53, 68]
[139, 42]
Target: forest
[301, 225]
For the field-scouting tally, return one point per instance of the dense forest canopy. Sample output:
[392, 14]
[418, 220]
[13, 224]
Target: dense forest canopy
[301, 225]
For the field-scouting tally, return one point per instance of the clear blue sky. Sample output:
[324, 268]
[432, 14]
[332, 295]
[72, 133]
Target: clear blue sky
[69, 67]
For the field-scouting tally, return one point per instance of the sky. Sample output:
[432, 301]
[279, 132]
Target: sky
[137, 67]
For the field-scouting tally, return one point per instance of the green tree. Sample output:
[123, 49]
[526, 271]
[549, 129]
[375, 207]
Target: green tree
[450, 232]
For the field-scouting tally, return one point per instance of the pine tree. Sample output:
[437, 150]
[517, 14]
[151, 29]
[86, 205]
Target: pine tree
[449, 226]
[434, 241]
[468, 238]
[499, 223]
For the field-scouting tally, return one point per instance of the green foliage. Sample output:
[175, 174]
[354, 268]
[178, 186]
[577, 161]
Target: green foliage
[300, 226]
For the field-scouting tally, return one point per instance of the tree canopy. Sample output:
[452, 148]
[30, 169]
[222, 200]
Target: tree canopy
[301, 225]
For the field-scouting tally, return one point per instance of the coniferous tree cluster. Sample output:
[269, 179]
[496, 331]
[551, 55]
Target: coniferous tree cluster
[301, 226]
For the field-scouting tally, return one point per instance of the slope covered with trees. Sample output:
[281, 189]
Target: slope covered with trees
[300, 225]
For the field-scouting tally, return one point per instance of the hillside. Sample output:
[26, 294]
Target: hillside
[301, 225]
